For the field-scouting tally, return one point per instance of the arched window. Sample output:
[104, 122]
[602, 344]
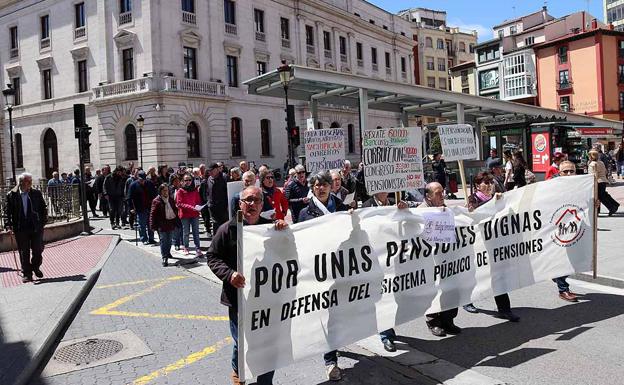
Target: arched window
[334, 125]
[235, 135]
[50, 152]
[462, 46]
[350, 139]
[130, 135]
[428, 42]
[192, 140]
[265, 137]
[440, 44]
[19, 153]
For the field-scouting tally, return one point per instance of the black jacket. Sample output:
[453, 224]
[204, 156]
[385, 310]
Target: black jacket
[295, 192]
[12, 214]
[114, 186]
[311, 211]
[222, 258]
[99, 184]
[216, 196]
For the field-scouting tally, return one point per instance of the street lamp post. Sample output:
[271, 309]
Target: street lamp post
[9, 101]
[140, 123]
[285, 77]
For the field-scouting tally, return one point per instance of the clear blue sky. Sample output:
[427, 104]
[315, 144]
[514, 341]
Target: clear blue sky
[483, 14]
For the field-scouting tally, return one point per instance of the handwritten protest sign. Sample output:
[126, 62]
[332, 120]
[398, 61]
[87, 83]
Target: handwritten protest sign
[458, 142]
[324, 149]
[392, 159]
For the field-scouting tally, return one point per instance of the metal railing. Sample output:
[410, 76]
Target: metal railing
[328, 54]
[375, 67]
[125, 18]
[63, 202]
[285, 43]
[45, 43]
[231, 29]
[310, 49]
[80, 32]
[343, 57]
[260, 36]
[189, 17]
[14, 53]
[564, 85]
[360, 63]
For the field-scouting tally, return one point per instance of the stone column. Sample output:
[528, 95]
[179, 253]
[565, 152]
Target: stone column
[301, 34]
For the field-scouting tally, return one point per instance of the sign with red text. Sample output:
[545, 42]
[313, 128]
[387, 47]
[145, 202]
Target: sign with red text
[324, 149]
[392, 159]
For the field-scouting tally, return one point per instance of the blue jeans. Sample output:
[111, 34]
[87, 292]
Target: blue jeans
[562, 284]
[146, 234]
[193, 224]
[266, 378]
[620, 168]
[387, 335]
[165, 243]
[177, 236]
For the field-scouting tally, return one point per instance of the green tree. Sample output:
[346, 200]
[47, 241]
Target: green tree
[436, 146]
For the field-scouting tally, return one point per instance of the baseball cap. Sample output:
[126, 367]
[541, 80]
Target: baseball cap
[212, 166]
[142, 174]
[181, 164]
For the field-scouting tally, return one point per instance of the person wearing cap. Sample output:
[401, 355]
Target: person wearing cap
[180, 173]
[141, 193]
[553, 170]
[216, 197]
[498, 180]
[297, 193]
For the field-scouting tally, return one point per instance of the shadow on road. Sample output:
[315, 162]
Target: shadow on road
[14, 357]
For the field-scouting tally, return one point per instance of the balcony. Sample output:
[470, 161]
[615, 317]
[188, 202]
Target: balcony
[328, 54]
[285, 43]
[310, 49]
[80, 33]
[343, 58]
[14, 53]
[564, 85]
[231, 29]
[159, 84]
[404, 75]
[125, 18]
[45, 43]
[189, 18]
[125, 88]
[388, 71]
[260, 36]
[193, 86]
[375, 67]
[360, 63]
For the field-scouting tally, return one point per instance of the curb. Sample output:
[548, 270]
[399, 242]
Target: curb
[39, 357]
[601, 280]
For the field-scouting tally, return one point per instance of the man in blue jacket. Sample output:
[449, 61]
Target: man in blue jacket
[141, 193]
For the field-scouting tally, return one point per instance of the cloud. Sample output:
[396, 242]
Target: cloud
[484, 33]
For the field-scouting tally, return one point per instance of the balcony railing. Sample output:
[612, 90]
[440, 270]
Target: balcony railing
[310, 49]
[231, 29]
[125, 18]
[189, 18]
[14, 53]
[128, 87]
[404, 75]
[80, 32]
[260, 36]
[328, 54]
[343, 58]
[360, 63]
[564, 85]
[388, 71]
[193, 86]
[375, 67]
[45, 43]
[285, 43]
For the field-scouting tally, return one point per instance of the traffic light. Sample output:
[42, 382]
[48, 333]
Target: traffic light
[294, 136]
[79, 119]
[85, 145]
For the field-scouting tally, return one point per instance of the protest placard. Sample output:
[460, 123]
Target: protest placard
[458, 142]
[324, 149]
[233, 188]
[392, 159]
[326, 283]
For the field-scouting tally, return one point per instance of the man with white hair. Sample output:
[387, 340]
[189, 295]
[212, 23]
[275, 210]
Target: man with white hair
[297, 193]
[25, 216]
[348, 180]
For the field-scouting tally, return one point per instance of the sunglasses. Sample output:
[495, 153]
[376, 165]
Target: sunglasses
[251, 200]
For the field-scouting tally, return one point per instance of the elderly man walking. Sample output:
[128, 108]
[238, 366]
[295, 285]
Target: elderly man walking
[222, 260]
[25, 216]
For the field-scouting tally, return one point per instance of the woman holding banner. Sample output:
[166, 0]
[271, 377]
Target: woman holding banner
[483, 192]
[321, 203]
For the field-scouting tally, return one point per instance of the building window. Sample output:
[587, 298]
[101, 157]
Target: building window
[564, 103]
[471, 48]
[18, 91]
[232, 71]
[13, 42]
[620, 73]
[83, 83]
[562, 52]
[440, 44]
[261, 68]
[513, 29]
[192, 140]
[564, 78]
[428, 42]
[235, 137]
[343, 45]
[285, 28]
[514, 65]
[350, 138]
[19, 153]
[621, 101]
[374, 58]
[465, 90]
[127, 56]
[387, 59]
[229, 9]
[190, 63]
[403, 64]
[326, 41]
[442, 83]
[462, 46]
[309, 35]
[430, 63]
[529, 40]
[188, 6]
[319, 125]
[441, 64]
[130, 135]
[500, 33]
[259, 20]
[265, 137]
[45, 27]
[371, 21]
[621, 49]
[431, 82]
[359, 51]
[80, 15]
[488, 79]
[46, 77]
[125, 6]
[489, 53]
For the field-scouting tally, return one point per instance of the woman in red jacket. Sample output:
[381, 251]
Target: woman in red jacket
[273, 195]
[189, 206]
[164, 219]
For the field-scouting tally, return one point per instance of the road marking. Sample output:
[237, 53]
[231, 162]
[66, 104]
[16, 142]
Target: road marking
[174, 278]
[110, 308]
[188, 360]
[597, 287]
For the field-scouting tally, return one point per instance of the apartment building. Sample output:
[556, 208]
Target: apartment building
[180, 66]
[614, 13]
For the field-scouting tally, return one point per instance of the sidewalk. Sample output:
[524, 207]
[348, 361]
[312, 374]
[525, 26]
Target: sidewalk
[32, 315]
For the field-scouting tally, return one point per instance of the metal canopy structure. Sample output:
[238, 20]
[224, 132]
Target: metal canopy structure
[340, 89]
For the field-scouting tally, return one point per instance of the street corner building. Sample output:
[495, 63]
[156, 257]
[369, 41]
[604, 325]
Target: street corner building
[181, 65]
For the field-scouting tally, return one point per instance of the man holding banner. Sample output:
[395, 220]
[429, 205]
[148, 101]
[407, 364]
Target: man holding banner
[222, 260]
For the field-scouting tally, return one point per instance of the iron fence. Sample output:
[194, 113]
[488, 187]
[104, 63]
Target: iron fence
[63, 201]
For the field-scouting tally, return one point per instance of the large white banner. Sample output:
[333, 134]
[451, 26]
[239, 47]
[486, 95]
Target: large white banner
[392, 159]
[329, 282]
[324, 149]
[458, 142]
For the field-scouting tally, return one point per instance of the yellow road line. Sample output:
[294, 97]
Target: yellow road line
[105, 309]
[174, 278]
[188, 360]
